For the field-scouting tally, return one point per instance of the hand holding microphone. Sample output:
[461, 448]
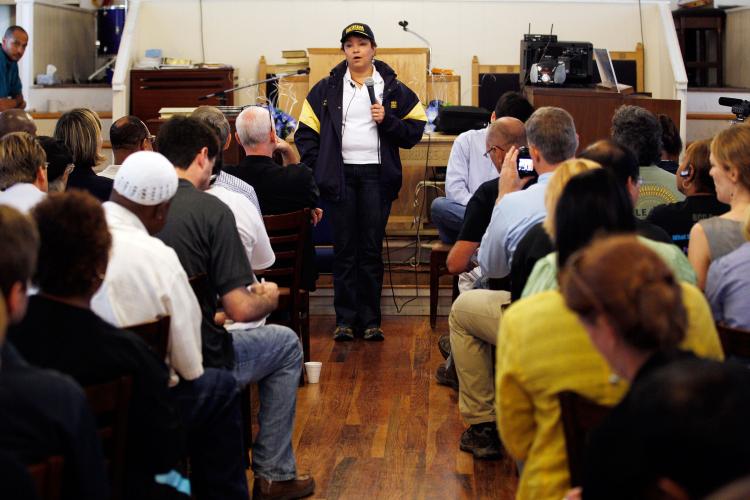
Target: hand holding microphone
[376, 109]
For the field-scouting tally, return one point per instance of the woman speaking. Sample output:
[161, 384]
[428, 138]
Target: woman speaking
[351, 126]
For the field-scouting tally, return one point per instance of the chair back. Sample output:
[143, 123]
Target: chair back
[579, 417]
[155, 334]
[48, 477]
[734, 341]
[110, 402]
[287, 233]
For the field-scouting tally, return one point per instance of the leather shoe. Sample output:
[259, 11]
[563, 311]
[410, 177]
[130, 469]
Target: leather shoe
[299, 487]
[444, 345]
[446, 375]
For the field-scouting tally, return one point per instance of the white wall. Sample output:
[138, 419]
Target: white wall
[238, 32]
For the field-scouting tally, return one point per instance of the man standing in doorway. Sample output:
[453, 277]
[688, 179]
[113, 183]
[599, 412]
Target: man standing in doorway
[14, 44]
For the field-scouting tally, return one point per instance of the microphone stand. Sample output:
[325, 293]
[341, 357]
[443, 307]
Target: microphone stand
[222, 94]
[404, 25]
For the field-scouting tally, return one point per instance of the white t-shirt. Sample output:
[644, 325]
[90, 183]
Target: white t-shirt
[22, 196]
[254, 238]
[144, 281]
[359, 132]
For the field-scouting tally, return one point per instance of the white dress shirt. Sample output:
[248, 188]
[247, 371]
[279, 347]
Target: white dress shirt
[467, 167]
[254, 238]
[144, 281]
[22, 196]
[110, 171]
[359, 132]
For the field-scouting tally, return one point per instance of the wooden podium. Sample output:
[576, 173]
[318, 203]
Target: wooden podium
[592, 109]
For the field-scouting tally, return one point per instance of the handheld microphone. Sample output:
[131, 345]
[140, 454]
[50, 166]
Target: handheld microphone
[370, 84]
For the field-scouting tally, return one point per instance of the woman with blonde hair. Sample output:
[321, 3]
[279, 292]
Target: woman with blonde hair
[81, 130]
[712, 238]
[728, 284]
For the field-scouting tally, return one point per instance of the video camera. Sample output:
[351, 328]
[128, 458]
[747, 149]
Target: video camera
[740, 108]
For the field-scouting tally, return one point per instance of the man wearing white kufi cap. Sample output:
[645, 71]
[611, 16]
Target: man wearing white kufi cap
[145, 281]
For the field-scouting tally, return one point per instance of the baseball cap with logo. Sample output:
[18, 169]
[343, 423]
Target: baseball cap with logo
[358, 29]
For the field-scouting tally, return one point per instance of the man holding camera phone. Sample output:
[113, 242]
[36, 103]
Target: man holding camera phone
[475, 315]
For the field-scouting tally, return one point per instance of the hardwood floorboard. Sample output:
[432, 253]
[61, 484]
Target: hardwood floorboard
[378, 425]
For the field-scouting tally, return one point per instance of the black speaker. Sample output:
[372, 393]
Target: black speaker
[457, 119]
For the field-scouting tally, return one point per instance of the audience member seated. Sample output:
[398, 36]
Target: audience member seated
[81, 130]
[623, 163]
[474, 316]
[249, 220]
[639, 130]
[280, 189]
[728, 285]
[712, 238]
[16, 120]
[593, 205]
[42, 412]
[671, 145]
[543, 348]
[635, 318]
[470, 166]
[202, 231]
[694, 181]
[500, 134]
[145, 281]
[23, 171]
[61, 332]
[216, 120]
[59, 163]
[127, 136]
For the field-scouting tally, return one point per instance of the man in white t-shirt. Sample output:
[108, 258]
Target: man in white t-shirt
[144, 281]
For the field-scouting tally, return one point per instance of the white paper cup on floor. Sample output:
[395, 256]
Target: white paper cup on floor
[312, 369]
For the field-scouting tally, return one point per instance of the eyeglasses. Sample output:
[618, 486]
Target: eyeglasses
[487, 153]
[151, 138]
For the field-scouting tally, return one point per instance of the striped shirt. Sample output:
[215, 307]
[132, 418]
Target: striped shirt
[237, 185]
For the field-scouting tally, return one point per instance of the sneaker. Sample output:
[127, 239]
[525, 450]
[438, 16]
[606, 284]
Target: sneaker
[375, 334]
[446, 375]
[444, 344]
[343, 333]
[482, 441]
[299, 487]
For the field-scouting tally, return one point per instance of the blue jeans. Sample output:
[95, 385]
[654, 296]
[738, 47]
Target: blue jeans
[210, 409]
[358, 222]
[448, 216]
[271, 356]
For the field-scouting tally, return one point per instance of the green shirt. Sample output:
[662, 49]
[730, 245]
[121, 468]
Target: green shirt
[544, 275]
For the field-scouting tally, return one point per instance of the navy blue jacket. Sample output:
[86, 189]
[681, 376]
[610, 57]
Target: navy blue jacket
[318, 137]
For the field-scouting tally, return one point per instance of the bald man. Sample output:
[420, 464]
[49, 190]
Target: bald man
[128, 135]
[16, 120]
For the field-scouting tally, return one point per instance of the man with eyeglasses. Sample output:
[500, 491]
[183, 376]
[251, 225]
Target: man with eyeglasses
[59, 163]
[127, 135]
[469, 166]
[14, 45]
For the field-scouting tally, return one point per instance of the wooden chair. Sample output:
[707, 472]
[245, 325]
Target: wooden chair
[734, 341]
[155, 334]
[48, 477]
[287, 233]
[438, 268]
[628, 66]
[490, 81]
[579, 417]
[110, 402]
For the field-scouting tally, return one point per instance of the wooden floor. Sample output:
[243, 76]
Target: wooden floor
[378, 426]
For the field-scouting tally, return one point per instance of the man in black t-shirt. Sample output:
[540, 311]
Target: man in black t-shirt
[203, 232]
[694, 181]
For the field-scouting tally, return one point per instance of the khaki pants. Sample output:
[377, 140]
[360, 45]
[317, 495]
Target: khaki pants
[474, 323]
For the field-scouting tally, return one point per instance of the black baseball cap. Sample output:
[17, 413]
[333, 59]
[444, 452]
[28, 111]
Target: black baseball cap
[358, 29]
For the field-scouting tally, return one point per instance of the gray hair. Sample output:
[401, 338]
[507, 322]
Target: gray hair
[638, 129]
[253, 126]
[552, 131]
[215, 119]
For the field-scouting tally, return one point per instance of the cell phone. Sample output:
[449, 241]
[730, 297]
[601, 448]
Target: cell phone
[524, 165]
